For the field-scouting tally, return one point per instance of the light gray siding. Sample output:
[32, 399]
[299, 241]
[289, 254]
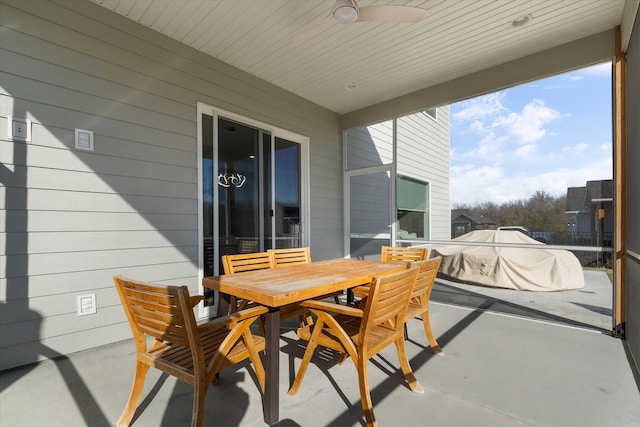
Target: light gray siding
[632, 328]
[423, 154]
[72, 219]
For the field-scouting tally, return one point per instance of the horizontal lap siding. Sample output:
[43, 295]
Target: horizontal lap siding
[423, 154]
[69, 219]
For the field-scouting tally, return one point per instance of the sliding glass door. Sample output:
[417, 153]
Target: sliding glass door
[251, 191]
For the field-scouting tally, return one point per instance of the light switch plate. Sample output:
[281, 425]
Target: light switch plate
[19, 129]
[84, 139]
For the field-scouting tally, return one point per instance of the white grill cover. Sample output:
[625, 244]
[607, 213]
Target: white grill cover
[512, 268]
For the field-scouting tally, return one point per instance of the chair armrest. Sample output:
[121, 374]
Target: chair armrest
[332, 307]
[195, 299]
[361, 291]
[233, 318]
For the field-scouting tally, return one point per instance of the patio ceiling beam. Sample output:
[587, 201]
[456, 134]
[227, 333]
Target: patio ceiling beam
[570, 56]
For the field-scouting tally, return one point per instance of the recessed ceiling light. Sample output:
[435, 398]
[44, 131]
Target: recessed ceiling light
[521, 20]
[351, 86]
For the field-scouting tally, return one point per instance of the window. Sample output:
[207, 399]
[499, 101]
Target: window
[432, 112]
[413, 209]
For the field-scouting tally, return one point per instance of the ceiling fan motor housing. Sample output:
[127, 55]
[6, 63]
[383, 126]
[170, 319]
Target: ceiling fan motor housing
[345, 11]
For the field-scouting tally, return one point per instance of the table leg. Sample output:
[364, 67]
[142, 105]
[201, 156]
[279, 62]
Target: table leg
[271, 397]
[223, 304]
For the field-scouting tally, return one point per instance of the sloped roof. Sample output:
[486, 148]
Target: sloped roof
[598, 191]
[457, 214]
[576, 199]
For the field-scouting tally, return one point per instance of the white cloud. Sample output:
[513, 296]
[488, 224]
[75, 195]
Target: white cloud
[578, 148]
[487, 148]
[472, 185]
[482, 107]
[526, 150]
[529, 125]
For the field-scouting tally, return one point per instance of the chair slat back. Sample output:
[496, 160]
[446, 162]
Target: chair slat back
[247, 246]
[427, 272]
[388, 301]
[396, 254]
[238, 263]
[160, 311]
[290, 256]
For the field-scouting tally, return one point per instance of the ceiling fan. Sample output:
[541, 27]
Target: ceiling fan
[348, 12]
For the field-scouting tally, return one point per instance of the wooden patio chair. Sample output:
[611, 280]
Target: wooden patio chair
[191, 353]
[400, 254]
[419, 302]
[293, 256]
[363, 333]
[394, 254]
[290, 256]
[239, 263]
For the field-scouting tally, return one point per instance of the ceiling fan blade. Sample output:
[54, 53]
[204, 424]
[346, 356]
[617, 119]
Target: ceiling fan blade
[311, 29]
[399, 14]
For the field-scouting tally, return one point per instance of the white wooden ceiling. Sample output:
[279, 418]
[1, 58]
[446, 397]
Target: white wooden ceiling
[384, 60]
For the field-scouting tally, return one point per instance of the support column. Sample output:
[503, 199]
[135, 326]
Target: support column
[620, 196]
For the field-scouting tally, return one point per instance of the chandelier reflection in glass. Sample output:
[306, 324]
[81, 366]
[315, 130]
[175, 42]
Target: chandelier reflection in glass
[231, 180]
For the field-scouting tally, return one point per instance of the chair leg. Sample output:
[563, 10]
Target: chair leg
[311, 347]
[427, 330]
[255, 359]
[365, 395]
[199, 393]
[261, 326]
[134, 396]
[414, 385]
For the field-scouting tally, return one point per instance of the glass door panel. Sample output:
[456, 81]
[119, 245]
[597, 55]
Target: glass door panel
[239, 185]
[370, 218]
[287, 225]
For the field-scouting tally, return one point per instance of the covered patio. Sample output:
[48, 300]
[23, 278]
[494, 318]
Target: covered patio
[105, 109]
[497, 370]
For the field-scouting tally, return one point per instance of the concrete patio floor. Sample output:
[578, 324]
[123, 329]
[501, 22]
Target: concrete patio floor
[589, 307]
[497, 370]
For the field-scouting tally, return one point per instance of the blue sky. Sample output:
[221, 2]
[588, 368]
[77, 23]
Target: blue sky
[545, 135]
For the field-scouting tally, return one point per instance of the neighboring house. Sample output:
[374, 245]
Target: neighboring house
[589, 212]
[462, 222]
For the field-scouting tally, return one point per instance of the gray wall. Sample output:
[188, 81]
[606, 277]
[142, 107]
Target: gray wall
[632, 329]
[72, 219]
[423, 153]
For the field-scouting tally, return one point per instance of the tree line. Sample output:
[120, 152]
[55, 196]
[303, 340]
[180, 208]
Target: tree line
[542, 212]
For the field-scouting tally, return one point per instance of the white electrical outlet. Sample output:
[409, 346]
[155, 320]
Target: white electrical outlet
[87, 304]
[19, 129]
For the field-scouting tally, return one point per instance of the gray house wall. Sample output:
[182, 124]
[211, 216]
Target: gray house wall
[632, 329]
[423, 153]
[72, 219]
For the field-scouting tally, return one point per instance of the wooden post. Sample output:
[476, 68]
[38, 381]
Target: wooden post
[620, 196]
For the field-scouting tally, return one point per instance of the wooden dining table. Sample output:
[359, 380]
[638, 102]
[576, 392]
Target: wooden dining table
[277, 287]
